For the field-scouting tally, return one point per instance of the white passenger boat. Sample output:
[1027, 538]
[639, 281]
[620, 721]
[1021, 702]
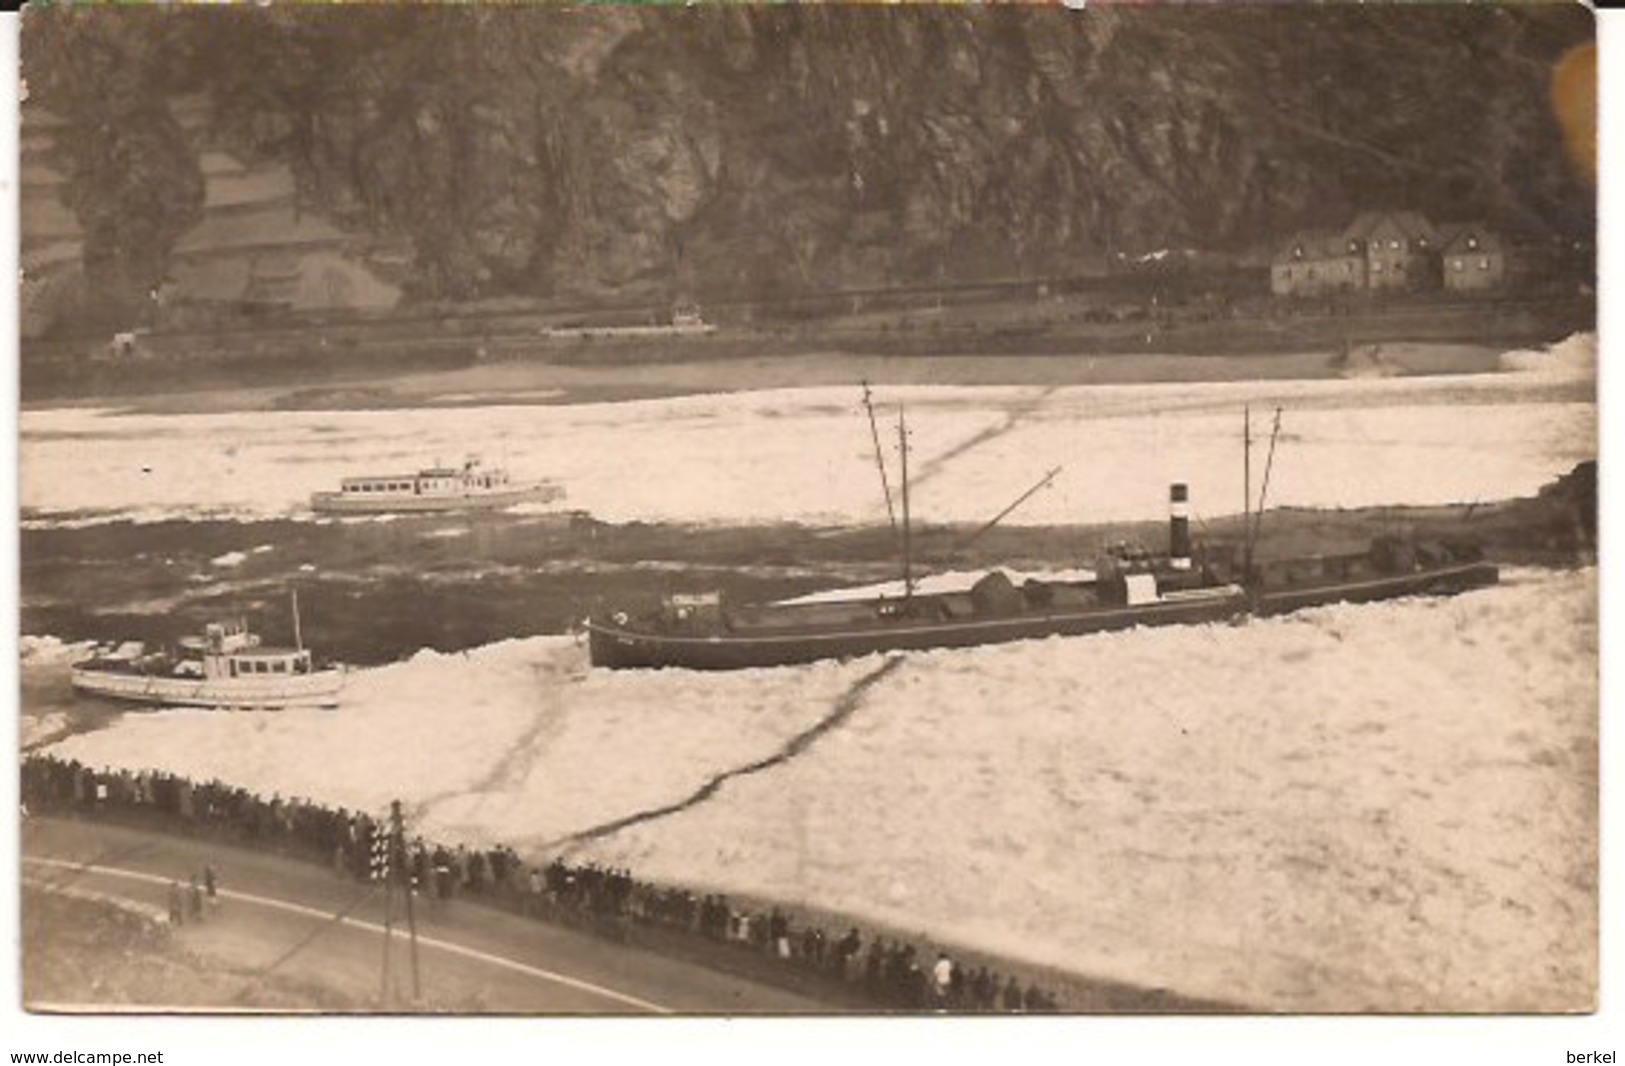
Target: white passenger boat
[471, 487]
[226, 667]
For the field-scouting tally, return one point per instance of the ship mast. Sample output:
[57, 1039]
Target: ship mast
[874, 433]
[996, 519]
[1263, 493]
[908, 562]
[1247, 494]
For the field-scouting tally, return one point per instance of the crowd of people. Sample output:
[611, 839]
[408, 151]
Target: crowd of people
[886, 972]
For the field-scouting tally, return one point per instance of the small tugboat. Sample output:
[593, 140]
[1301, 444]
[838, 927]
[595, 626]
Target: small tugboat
[225, 667]
[471, 487]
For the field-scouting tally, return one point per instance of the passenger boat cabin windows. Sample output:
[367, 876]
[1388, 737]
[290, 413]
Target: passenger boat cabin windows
[434, 481]
[353, 488]
[260, 665]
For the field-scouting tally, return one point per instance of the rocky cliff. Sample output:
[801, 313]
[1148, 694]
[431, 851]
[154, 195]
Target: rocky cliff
[689, 152]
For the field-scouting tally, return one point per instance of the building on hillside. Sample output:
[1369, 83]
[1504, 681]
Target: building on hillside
[1315, 263]
[1388, 252]
[1401, 249]
[1474, 259]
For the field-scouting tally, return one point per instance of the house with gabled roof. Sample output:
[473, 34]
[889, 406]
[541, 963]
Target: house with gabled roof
[1314, 263]
[1473, 258]
[1390, 251]
[1400, 249]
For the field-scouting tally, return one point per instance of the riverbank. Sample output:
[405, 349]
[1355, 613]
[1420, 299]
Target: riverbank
[467, 360]
[543, 380]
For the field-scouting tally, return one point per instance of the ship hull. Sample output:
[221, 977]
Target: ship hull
[353, 504]
[623, 647]
[1433, 581]
[317, 690]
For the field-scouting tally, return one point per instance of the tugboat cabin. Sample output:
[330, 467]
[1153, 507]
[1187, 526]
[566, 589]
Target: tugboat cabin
[230, 650]
[262, 662]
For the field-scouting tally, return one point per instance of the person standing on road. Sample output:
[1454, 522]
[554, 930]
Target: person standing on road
[176, 917]
[984, 985]
[847, 952]
[197, 900]
[442, 874]
[209, 886]
[533, 899]
[942, 976]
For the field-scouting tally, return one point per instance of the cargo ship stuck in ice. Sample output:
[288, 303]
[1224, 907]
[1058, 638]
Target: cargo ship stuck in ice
[1131, 587]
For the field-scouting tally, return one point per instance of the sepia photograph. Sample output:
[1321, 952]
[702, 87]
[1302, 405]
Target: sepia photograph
[808, 510]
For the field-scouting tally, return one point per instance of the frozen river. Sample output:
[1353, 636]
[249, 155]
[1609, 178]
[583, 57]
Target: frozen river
[1389, 807]
[806, 455]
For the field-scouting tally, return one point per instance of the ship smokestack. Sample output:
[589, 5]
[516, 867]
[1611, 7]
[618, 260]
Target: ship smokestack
[1179, 526]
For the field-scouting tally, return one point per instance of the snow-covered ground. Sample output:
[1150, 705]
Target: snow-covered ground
[806, 454]
[1385, 807]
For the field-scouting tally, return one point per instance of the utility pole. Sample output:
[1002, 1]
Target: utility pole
[382, 857]
[398, 842]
